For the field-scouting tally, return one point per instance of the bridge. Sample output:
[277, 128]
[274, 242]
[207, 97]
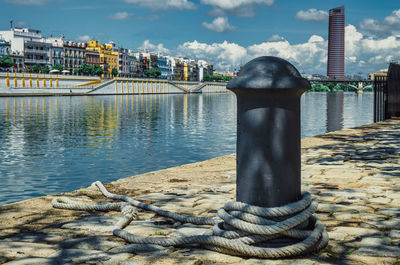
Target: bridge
[360, 86]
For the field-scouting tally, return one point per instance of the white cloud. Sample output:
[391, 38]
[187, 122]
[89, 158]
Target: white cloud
[363, 53]
[313, 14]
[146, 45]
[388, 26]
[83, 38]
[223, 55]
[164, 4]
[241, 8]
[219, 24]
[28, 2]
[119, 15]
[275, 38]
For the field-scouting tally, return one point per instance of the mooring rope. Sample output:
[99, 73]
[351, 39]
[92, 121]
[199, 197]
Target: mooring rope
[240, 229]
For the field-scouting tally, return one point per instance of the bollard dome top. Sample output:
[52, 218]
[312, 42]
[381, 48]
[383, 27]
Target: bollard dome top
[268, 72]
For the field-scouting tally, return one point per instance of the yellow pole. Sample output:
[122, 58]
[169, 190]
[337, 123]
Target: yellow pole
[142, 87]
[151, 84]
[127, 86]
[122, 86]
[23, 80]
[147, 86]
[56, 80]
[44, 80]
[37, 80]
[116, 86]
[133, 87]
[30, 80]
[7, 81]
[15, 80]
[51, 81]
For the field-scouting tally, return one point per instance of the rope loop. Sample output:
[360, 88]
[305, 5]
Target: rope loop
[240, 229]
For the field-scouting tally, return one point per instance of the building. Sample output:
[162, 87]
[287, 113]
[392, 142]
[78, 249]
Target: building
[36, 52]
[92, 57]
[123, 63]
[164, 64]
[29, 44]
[19, 61]
[108, 56]
[74, 55]
[336, 43]
[56, 50]
[205, 68]
[381, 72]
[133, 64]
[5, 48]
[179, 70]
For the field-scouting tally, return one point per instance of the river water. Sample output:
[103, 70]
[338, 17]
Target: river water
[58, 144]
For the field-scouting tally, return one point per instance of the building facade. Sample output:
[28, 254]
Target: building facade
[36, 52]
[92, 57]
[74, 55]
[336, 43]
[123, 63]
[164, 65]
[5, 48]
[56, 50]
[108, 56]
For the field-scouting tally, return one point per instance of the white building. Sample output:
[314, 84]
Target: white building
[56, 50]
[205, 68]
[28, 43]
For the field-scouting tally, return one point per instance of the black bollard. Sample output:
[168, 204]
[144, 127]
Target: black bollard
[268, 91]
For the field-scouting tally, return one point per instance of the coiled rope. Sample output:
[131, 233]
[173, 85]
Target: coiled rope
[240, 229]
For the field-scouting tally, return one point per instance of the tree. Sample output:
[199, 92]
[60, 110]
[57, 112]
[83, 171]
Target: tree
[146, 73]
[97, 70]
[37, 68]
[155, 72]
[6, 62]
[76, 71]
[46, 69]
[114, 72]
[86, 69]
[58, 67]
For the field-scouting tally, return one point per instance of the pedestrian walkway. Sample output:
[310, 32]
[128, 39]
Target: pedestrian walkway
[354, 174]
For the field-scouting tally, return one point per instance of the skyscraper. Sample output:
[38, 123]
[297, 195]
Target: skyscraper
[336, 43]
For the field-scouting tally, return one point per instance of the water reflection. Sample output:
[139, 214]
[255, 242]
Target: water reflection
[57, 144]
[334, 113]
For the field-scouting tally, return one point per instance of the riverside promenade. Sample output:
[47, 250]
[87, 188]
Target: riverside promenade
[354, 174]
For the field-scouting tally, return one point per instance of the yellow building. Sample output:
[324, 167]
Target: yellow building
[108, 56]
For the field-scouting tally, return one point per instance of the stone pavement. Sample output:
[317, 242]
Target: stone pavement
[354, 174]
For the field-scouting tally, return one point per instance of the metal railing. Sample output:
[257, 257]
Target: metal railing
[387, 94]
[380, 98]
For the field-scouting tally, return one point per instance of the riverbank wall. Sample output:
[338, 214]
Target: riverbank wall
[353, 174]
[46, 84]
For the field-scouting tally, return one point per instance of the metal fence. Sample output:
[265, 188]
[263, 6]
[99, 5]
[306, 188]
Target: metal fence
[387, 94]
[380, 98]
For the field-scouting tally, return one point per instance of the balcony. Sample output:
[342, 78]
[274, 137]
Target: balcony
[34, 61]
[36, 51]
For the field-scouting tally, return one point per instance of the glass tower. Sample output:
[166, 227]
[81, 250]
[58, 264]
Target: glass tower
[336, 43]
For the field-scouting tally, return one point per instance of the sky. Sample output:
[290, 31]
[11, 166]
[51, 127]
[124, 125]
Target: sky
[227, 33]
